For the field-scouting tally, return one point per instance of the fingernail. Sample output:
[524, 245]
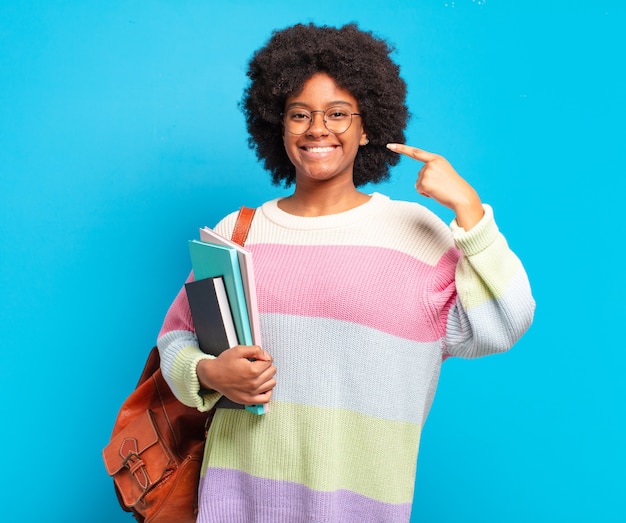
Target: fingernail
[391, 146]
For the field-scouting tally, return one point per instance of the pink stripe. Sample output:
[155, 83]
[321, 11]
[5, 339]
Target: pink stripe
[338, 282]
[178, 316]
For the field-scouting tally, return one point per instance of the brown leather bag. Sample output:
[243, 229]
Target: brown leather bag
[157, 444]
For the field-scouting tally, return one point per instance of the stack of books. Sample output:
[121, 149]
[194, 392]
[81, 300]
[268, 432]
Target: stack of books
[222, 299]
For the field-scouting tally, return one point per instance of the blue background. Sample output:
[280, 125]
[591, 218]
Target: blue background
[120, 135]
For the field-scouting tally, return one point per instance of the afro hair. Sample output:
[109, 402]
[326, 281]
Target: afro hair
[358, 61]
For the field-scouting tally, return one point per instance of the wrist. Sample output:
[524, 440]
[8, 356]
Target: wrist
[469, 213]
[204, 370]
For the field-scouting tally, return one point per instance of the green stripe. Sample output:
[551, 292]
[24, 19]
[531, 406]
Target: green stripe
[185, 380]
[324, 449]
[487, 275]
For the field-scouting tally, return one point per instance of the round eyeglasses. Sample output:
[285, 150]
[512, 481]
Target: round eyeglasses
[336, 119]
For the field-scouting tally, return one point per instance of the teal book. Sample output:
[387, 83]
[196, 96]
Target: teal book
[247, 274]
[209, 260]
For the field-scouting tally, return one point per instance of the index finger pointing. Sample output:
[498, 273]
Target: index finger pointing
[412, 152]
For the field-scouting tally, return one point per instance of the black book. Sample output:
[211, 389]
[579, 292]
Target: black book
[213, 321]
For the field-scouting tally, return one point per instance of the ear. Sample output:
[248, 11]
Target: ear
[363, 140]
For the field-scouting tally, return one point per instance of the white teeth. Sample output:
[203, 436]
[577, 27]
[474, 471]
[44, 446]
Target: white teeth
[320, 149]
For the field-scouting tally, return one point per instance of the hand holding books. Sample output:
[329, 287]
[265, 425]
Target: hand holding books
[234, 375]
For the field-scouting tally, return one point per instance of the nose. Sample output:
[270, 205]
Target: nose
[318, 125]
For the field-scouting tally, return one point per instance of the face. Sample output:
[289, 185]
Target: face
[319, 155]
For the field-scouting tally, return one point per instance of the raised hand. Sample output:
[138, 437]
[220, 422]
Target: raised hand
[438, 180]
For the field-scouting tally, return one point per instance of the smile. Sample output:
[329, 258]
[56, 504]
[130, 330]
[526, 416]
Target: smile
[319, 150]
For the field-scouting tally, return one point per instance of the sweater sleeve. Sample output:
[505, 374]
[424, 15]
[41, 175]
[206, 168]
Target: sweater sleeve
[494, 305]
[180, 354]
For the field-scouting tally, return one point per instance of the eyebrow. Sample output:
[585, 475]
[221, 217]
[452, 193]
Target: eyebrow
[330, 104]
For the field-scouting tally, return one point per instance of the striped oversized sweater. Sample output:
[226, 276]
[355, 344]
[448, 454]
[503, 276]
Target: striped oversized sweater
[358, 310]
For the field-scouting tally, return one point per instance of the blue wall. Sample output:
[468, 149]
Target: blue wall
[120, 135]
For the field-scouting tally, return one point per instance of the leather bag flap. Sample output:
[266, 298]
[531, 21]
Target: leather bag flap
[136, 459]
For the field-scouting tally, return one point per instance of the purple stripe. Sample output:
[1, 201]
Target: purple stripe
[230, 496]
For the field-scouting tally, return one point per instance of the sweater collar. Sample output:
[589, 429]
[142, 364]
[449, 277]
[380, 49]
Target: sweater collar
[273, 213]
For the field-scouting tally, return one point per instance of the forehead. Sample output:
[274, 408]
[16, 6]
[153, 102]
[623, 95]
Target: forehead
[321, 90]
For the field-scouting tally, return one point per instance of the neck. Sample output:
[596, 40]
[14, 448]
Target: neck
[322, 200]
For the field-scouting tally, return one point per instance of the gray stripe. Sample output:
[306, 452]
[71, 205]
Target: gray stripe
[332, 363]
[493, 326]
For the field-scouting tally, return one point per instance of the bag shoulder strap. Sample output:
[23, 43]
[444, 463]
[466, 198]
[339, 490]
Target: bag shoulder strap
[242, 226]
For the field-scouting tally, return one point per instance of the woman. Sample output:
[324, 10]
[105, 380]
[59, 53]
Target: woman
[360, 297]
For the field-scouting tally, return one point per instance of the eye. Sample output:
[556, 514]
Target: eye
[296, 116]
[337, 113]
